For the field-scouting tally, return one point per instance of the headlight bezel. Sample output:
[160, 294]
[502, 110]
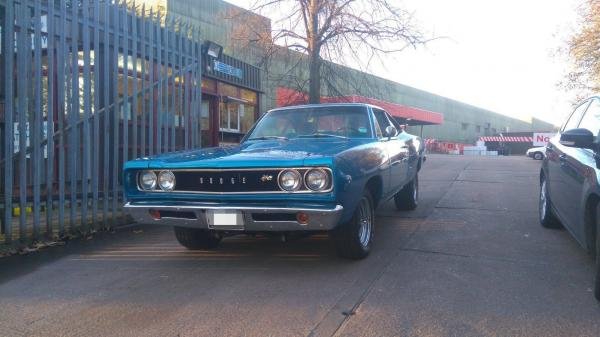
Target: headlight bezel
[169, 174]
[297, 185]
[326, 179]
[142, 186]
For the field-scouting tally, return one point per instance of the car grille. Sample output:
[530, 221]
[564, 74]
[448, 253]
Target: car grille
[227, 181]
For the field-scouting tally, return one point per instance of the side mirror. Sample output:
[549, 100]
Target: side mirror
[582, 138]
[390, 131]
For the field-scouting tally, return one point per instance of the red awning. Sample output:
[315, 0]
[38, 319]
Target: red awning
[414, 116]
[520, 139]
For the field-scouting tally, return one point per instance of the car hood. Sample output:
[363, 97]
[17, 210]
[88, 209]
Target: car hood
[265, 153]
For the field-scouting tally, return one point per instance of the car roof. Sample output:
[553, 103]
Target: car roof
[305, 106]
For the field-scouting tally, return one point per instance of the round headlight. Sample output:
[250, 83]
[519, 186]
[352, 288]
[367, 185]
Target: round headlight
[147, 180]
[289, 180]
[316, 179]
[166, 180]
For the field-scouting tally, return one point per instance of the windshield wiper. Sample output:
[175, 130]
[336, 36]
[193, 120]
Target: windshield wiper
[269, 137]
[319, 134]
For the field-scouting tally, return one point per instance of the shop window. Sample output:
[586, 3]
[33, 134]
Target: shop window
[249, 96]
[209, 85]
[228, 90]
[204, 116]
[229, 117]
[247, 117]
[236, 117]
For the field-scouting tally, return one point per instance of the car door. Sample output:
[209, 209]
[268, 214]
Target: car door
[578, 163]
[561, 171]
[382, 144]
[397, 151]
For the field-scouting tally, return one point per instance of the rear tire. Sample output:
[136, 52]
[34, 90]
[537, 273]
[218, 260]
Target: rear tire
[407, 199]
[538, 156]
[353, 239]
[195, 238]
[546, 214]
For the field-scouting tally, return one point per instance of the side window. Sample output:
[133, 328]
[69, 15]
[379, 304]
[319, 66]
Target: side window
[575, 117]
[395, 123]
[591, 119]
[382, 120]
[378, 132]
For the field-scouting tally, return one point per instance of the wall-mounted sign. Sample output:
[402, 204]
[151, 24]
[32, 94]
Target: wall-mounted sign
[542, 138]
[228, 70]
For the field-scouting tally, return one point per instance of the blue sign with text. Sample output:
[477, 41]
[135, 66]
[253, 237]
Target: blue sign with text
[227, 69]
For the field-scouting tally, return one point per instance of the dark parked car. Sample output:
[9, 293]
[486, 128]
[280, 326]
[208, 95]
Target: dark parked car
[312, 168]
[569, 180]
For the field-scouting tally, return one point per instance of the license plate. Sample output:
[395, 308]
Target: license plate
[225, 218]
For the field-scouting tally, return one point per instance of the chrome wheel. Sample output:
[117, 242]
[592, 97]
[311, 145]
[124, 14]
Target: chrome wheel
[543, 201]
[547, 217]
[416, 191]
[366, 222]
[353, 238]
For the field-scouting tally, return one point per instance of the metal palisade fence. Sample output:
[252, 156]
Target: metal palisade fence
[87, 85]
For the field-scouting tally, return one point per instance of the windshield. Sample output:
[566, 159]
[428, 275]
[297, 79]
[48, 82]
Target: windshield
[333, 121]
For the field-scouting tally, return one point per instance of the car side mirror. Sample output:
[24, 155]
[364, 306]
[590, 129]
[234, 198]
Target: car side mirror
[581, 138]
[390, 131]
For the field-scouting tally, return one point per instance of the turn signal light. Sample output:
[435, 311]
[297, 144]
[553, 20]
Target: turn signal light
[302, 218]
[155, 214]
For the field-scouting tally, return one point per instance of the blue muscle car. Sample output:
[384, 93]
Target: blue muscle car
[310, 168]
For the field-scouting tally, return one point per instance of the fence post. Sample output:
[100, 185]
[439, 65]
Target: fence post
[8, 120]
[50, 122]
[85, 158]
[36, 129]
[23, 57]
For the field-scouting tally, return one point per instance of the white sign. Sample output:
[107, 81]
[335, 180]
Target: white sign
[542, 138]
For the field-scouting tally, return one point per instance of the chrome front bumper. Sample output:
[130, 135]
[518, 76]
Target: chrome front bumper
[255, 218]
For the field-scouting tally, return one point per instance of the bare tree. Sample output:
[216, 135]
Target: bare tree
[584, 50]
[347, 32]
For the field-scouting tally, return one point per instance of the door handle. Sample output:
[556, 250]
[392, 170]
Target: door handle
[563, 160]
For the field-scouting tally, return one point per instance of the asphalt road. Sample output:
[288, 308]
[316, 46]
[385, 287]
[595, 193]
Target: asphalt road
[472, 260]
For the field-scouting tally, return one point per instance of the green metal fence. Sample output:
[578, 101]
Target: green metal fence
[87, 85]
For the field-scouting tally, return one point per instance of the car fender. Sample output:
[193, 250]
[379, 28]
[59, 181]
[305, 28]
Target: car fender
[354, 169]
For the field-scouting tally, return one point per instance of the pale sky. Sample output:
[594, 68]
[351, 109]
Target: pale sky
[498, 54]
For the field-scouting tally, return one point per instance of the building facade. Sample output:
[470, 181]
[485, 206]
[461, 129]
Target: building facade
[286, 70]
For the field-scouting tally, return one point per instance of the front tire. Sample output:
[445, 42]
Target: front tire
[407, 199]
[547, 217]
[538, 156]
[353, 239]
[195, 238]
